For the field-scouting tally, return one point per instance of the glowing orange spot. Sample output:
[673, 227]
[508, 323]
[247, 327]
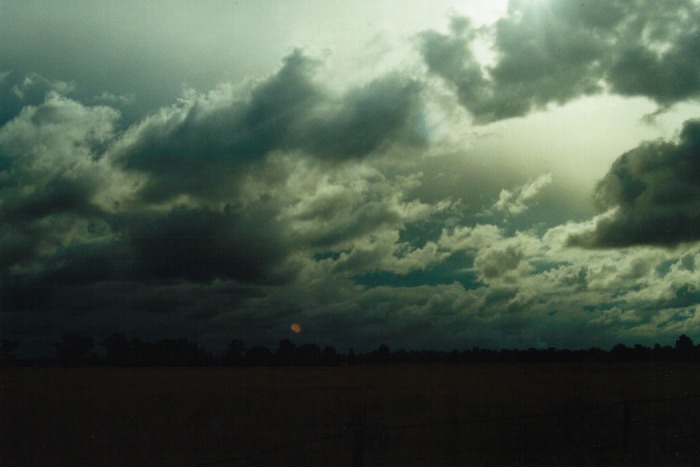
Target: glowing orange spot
[296, 327]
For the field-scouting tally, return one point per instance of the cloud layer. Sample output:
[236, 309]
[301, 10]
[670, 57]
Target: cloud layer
[376, 208]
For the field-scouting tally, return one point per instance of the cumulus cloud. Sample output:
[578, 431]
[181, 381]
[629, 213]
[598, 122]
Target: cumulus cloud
[515, 201]
[18, 90]
[651, 193]
[51, 174]
[199, 147]
[555, 51]
[493, 263]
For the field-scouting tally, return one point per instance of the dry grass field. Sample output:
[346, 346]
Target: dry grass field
[564, 414]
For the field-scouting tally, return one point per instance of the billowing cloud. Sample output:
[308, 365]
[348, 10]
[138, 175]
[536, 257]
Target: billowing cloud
[241, 185]
[65, 169]
[51, 174]
[556, 51]
[199, 146]
[653, 194]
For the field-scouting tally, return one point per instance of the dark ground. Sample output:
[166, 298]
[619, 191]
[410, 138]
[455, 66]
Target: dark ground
[534, 413]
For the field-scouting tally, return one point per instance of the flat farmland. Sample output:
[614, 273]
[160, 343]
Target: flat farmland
[552, 413]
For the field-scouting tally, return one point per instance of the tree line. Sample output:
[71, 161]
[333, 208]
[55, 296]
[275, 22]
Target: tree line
[120, 351]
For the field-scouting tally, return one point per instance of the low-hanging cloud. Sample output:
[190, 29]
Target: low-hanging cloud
[556, 51]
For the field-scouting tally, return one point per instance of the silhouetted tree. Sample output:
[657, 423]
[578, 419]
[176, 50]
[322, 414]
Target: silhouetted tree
[118, 350]
[78, 350]
[309, 354]
[381, 355]
[352, 358]
[642, 352]
[662, 353]
[330, 355]
[75, 350]
[258, 356]
[286, 352]
[594, 354]
[684, 347]
[684, 343]
[179, 352]
[142, 353]
[235, 353]
[620, 352]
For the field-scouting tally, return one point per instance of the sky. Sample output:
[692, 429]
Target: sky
[421, 174]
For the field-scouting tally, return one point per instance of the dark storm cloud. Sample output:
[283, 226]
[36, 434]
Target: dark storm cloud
[76, 248]
[200, 146]
[657, 54]
[57, 196]
[65, 281]
[73, 215]
[553, 52]
[50, 174]
[202, 245]
[364, 119]
[15, 245]
[193, 148]
[185, 245]
[530, 73]
[655, 189]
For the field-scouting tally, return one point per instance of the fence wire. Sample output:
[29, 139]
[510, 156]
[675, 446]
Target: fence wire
[360, 432]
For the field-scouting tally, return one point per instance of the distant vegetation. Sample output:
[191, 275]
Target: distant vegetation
[118, 350]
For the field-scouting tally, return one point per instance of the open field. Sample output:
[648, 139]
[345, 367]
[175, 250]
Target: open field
[366, 415]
